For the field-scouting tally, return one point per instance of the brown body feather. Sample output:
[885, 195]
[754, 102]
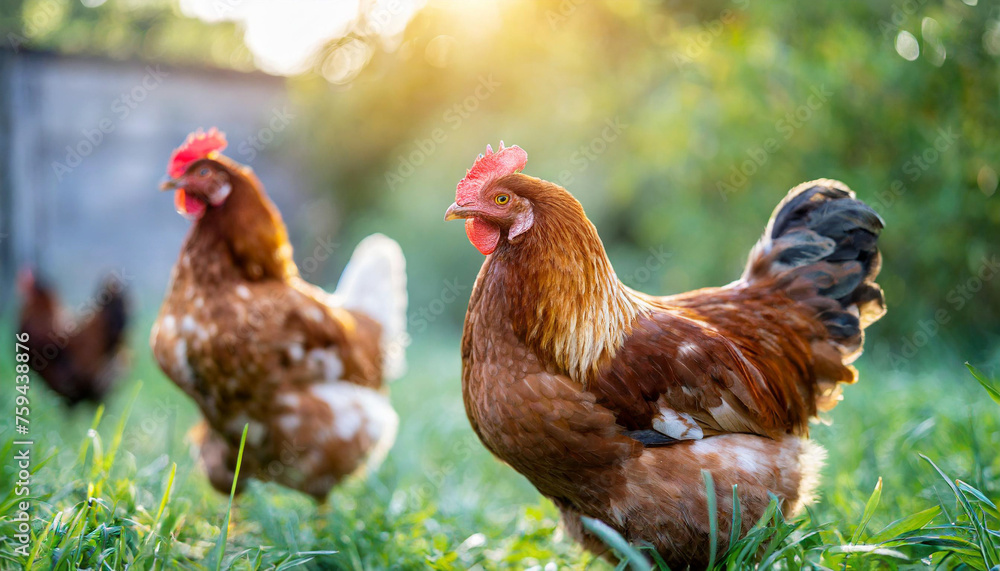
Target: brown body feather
[563, 366]
[253, 344]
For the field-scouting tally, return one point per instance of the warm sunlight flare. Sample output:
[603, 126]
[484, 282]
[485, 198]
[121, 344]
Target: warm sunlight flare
[286, 37]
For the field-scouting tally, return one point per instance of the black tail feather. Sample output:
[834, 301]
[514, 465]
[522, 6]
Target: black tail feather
[115, 312]
[821, 245]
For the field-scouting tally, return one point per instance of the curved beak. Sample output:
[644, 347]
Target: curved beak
[170, 183]
[456, 212]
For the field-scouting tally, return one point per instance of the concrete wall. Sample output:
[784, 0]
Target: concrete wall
[83, 146]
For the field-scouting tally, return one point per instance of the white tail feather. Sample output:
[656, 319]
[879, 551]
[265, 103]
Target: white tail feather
[374, 282]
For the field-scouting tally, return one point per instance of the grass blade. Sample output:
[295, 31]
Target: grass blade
[636, 560]
[870, 507]
[713, 524]
[976, 493]
[907, 524]
[659, 563]
[154, 528]
[737, 524]
[39, 541]
[116, 440]
[873, 549]
[92, 439]
[224, 533]
[993, 391]
[986, 547]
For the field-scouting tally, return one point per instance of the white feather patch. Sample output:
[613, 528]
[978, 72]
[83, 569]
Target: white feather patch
[677, 425]
[181, 363]
[289, 423]
[374, 282]
[326, 362]
[169, 325]
[357, 408]
[744, 456]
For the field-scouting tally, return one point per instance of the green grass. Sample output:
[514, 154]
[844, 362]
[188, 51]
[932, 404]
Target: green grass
[118, 488]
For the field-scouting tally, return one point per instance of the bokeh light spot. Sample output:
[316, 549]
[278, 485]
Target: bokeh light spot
[987, 180]
[907, 46]
[346, 61]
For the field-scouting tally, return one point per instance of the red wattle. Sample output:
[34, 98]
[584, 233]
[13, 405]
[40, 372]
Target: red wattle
[188, 206]
[484, 235]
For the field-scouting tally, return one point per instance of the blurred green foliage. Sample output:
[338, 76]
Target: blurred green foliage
[722, 111]
[678, 125]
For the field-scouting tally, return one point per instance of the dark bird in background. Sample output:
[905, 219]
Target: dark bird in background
[612, 401]
[78, 356]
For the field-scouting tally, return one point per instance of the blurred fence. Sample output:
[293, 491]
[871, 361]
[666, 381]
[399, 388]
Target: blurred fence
[84, 143]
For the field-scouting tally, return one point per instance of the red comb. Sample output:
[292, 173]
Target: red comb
[198, 145]
[507, 160]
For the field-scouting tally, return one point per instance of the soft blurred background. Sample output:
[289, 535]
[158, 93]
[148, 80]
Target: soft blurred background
[679, 125]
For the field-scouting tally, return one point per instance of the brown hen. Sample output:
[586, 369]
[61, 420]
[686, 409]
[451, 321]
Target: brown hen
[255, 345]
[611, 401]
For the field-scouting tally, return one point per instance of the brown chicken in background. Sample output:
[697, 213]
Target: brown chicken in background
[255, 345]
[78, 356]
[611, 401]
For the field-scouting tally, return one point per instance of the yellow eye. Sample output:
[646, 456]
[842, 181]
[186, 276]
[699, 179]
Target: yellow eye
[502, 199]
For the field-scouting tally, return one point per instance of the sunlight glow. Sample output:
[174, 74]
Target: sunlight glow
[286, 37]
